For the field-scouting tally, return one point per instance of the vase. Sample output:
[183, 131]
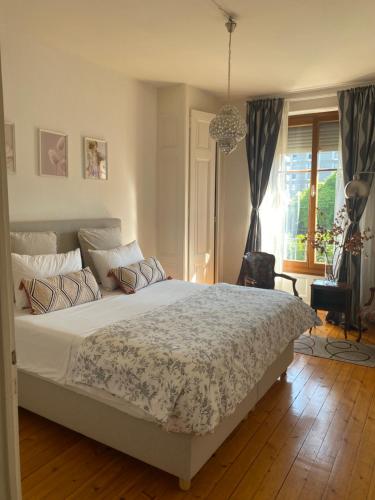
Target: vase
[328, 272]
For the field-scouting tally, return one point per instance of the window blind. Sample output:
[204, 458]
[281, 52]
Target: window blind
[300, 139]
[329, 136]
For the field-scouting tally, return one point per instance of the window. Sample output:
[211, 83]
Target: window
[310, 178]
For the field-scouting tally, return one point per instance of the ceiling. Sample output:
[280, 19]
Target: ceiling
[279, 45]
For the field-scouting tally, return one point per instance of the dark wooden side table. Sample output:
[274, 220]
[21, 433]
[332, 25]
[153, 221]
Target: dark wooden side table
[331, 296]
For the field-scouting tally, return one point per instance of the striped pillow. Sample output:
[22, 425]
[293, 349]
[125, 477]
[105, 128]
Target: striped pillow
[139, 275]
[60, 292]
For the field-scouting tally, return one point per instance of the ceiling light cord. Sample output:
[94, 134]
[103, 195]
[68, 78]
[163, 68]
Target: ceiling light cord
[231, 26]
[229, 64]
[225, 12]
[228, 127]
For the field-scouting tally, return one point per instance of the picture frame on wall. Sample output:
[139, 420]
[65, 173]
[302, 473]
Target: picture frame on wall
[95, 154]
[53, 153]
[10, 146]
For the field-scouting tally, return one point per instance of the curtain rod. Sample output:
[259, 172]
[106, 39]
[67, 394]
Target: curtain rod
[311, 94]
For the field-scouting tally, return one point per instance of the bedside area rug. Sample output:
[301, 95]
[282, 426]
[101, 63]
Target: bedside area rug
[338, 349]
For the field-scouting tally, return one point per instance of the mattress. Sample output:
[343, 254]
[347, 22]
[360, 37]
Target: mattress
[46, 343]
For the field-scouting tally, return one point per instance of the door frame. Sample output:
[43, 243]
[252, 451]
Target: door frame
[219, 218]
[10, 482]
[218, 208]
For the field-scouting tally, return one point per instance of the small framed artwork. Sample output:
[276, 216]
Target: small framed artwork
[95, 159]
[53, 153]
[10, 147]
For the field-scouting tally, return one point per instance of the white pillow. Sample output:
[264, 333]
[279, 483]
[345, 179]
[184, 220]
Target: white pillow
[99, 238]
[123, 256]
[41, 266]
[33, 243]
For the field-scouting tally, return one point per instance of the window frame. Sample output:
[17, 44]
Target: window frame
[313, 119]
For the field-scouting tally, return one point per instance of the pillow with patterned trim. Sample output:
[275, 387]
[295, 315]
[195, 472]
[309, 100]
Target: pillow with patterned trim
[60, 292]
[139, 275]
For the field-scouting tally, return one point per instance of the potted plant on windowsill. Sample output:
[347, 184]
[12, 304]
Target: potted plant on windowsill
[329, 242]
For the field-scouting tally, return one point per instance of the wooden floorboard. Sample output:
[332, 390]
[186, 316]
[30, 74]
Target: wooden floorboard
[311, 436]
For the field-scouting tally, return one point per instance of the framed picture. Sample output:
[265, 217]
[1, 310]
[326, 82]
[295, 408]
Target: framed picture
[53, 153]
[95, 158]
[10, 147]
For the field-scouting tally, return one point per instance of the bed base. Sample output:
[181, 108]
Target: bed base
[179, 454]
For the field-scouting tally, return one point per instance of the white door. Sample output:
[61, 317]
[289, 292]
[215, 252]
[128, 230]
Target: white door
[10, 484]
[201, 199]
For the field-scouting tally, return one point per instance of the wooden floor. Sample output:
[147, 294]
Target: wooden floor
[312, 436]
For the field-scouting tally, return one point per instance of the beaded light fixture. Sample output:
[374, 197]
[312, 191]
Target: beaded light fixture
[228, 127]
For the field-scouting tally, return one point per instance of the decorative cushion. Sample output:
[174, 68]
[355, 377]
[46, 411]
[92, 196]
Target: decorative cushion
[34, 243]
[104, 260]
[101, 238]
[60, 292]
[136, 276]
[41, 266]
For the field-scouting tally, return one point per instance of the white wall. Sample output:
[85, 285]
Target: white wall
[237, 207]
[318, 104]
[171, 157]
[50, 89]
[201, 100]
[174, 105]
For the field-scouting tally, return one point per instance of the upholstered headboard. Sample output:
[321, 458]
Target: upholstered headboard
[66, 230]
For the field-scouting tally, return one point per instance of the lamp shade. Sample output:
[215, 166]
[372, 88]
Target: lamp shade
[228, 128]
[357, 188]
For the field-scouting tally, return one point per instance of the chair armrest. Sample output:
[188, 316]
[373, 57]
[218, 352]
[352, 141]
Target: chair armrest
[293, 280]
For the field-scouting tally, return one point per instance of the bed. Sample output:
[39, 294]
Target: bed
[47, 343]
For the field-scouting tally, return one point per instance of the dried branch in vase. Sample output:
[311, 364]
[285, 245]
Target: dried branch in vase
[330, 242]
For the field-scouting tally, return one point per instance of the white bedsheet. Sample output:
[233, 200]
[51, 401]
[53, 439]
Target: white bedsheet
[45, 342]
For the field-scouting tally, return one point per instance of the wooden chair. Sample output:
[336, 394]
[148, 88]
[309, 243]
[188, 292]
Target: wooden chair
[259, 271]
[367, 313]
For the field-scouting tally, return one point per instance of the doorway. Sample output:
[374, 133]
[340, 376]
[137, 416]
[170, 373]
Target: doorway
[202, 199]
[10, 483]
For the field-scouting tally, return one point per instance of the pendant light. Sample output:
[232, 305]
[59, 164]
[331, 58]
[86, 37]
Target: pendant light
[228, 127]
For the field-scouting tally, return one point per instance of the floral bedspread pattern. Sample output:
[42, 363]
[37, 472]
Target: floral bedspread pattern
[190, 363]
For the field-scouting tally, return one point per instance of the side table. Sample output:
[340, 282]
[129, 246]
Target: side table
[331, 296]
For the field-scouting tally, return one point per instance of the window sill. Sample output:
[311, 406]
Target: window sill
[302, 268]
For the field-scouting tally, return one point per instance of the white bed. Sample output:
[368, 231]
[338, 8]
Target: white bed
[46, 344]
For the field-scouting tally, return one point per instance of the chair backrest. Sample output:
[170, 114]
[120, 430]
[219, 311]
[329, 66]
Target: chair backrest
[261, 268]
